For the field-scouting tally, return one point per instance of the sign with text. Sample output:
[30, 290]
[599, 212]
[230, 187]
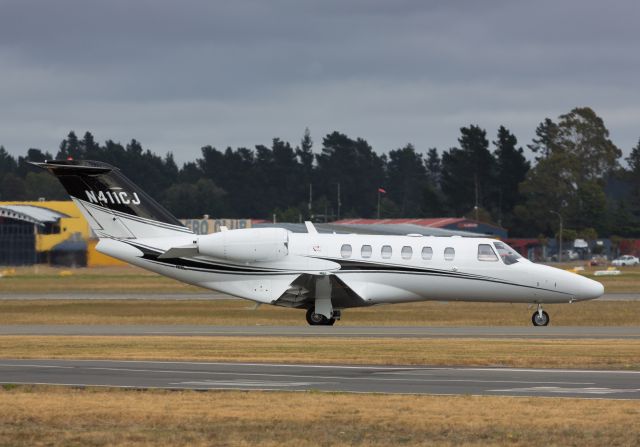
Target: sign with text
[207, 226]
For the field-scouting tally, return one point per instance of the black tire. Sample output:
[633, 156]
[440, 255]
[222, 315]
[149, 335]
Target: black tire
[315, 319]
[540, 321]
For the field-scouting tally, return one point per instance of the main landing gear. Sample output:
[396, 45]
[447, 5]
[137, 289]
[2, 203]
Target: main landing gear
[315, 319]
[540, 317]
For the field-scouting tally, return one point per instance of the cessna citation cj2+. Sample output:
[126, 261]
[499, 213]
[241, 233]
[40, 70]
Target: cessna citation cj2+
[321, 273]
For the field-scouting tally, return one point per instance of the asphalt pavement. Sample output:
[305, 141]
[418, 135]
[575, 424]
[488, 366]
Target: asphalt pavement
[329, 378]
[549, 332]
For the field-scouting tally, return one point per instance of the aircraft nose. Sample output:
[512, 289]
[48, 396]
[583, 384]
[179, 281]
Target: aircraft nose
[588, 289]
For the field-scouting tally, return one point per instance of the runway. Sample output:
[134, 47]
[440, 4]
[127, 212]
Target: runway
[549, 332]
[329, 378]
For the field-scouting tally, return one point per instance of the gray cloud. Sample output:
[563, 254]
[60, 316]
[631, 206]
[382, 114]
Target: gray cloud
[179, 75]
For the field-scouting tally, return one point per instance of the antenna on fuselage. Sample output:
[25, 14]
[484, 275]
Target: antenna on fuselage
[310, 228]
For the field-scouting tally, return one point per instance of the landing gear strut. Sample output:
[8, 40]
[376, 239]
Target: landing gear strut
[315, 319]
[540, 317]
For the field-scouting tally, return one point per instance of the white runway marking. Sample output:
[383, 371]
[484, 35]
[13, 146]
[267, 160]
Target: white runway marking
[560, 390]
[3, 365]
[534, 370]
[518, 382]
[380, 368]
[246, 383]
[417, 373]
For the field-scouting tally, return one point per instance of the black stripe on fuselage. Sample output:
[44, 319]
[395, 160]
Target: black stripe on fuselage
[346, 266]
[151, 254]
[374, 267]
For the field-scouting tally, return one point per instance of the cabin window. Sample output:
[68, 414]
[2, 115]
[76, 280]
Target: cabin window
[386, 251]
[365, 251]
[427, 253]
[449, 254]
[345, 251]
[486, 253]
[406, 252]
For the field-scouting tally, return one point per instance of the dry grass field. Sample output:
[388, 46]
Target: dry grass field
[583, 353]
[241, 312]
[43, 279]
[45, 416]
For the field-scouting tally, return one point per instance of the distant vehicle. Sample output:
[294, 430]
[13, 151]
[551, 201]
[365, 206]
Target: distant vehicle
[598, 260]
[625, 260]
[320, 273]
[571, 255]
[567, 255]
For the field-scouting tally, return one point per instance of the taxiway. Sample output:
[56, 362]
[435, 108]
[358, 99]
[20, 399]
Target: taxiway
[531, 332]
[329, 378]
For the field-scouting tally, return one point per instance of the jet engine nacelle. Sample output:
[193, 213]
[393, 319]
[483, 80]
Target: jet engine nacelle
[246, 245]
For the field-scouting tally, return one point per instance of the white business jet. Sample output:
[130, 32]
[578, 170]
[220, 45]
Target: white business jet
[321, 273]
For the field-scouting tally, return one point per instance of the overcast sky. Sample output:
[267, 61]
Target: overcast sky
[183, 74]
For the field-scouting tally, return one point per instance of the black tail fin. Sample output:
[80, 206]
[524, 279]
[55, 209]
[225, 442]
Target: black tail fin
[113, 205]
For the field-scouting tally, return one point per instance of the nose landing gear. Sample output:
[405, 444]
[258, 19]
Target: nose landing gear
[540, 317]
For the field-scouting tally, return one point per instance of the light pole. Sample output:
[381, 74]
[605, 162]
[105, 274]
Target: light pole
[383, 191]
[560, 237]
[339, 201]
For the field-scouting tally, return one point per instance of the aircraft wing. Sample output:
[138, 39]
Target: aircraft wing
[301, 293]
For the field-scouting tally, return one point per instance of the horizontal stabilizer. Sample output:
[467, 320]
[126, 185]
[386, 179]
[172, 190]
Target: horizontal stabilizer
[180, 252]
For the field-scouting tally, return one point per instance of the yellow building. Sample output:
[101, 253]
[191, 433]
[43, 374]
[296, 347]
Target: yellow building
[61, 232]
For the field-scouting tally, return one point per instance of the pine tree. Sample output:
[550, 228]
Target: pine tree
[7, 162]
[546, 141]
[407, 177]
[634, 160]
[305, 153]
[70, 148]
[468, 172]
[434, 167]
[511, 170]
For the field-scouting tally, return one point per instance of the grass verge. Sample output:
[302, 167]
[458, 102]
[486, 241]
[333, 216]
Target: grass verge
[589, 353]
[129, 279]
[38, 416]
[240, 312]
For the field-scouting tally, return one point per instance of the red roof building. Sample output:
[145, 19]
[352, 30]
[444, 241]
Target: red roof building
[448, 223]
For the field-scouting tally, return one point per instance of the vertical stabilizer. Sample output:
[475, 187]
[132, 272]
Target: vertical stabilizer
[113, 205]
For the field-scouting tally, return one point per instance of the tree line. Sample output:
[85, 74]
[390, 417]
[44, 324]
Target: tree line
[571, 170]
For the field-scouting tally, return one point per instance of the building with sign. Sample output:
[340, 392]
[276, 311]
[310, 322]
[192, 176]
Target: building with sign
[445, 223]
[208, 226]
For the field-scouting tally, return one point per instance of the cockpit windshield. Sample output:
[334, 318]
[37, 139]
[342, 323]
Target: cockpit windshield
[507, 254]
